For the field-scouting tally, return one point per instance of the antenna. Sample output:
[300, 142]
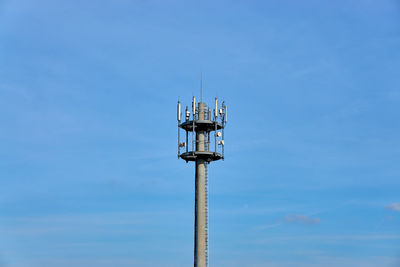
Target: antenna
[216, 108]
[179, 111]
[201, 86]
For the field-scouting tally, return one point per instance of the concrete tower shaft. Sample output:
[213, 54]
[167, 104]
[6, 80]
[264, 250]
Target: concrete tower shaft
[200, 202]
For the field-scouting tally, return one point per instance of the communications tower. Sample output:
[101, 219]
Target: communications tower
[198, 128]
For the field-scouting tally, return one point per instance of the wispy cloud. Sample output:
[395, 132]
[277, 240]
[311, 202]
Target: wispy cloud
[394, 206]
[270, 226]
[329, 238]
[58, 225]
[292, 219]
[246, 210]
[303, 219]
[322, 260]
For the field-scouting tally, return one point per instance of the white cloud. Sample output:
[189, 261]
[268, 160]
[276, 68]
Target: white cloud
[394, 206]
[326, 261]
[270, 226]
[292, 218]
[298, 218]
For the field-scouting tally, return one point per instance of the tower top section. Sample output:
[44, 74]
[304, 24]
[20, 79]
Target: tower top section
[199, 125]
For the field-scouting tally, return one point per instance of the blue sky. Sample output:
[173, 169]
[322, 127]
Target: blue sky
[88, 171]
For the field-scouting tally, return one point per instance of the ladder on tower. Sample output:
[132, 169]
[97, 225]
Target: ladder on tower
[206, 209]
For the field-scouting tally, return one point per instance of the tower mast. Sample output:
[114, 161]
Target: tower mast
[200, 127]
